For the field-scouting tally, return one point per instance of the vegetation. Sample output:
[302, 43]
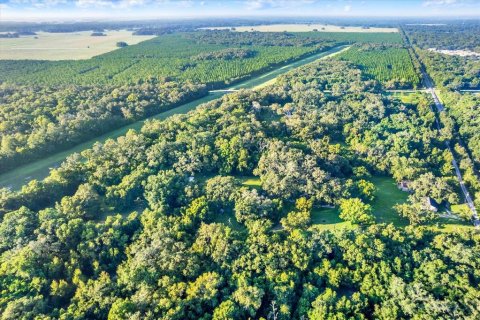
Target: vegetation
[451, 72]
[36, 121]
[168, 70]
[165, 57]
[391, 65]
[230, 211]
[66, 254]
[464, 108]
[227, 54]
[462, 121]
[451, 36]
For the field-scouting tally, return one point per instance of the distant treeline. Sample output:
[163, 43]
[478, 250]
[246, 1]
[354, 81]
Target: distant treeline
[17, 34]
[451, 36]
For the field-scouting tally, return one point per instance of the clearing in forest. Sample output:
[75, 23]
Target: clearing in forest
[64, 46]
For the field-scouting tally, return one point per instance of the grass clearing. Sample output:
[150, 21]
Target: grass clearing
[228, 218]
[64, 46]
[252, 182]
[387, 195]
[305, 28]
[452, 225]
[407, 97]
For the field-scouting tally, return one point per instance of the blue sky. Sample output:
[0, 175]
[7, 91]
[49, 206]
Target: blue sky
[148, 9]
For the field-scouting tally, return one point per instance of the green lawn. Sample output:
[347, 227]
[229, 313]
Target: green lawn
[250, 181]
[386, 196]
[404, 97]
[327, 219]
[228, 219]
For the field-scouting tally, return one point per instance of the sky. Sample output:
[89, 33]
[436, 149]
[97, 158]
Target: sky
[64, 10]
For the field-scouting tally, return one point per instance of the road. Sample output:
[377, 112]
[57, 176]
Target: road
[430, 88]
[440, 108]
[39, 169]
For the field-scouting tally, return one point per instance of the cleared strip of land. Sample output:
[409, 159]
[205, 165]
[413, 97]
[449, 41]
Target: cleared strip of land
[272, 81]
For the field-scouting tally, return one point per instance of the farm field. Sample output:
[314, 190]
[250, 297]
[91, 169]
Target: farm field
[391, 66]
[64, 46]
[304, 28]
[158, 74]
[179, 56]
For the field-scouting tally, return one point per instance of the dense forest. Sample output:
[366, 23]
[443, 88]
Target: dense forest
[36, 121]
[452, 72]
[158, 224]
[453, 35]
[463, 121]
[464, 108]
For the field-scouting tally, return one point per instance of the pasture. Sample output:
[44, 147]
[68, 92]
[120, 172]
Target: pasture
[64, 46]
[305, 28]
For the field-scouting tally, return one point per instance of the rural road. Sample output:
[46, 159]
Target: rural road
[39, 169]
[430, 88]
[440, 108]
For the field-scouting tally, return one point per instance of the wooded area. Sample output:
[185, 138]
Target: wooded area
[318, 195]
[200, 245]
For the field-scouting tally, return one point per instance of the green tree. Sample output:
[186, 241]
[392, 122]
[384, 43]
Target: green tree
[300, 218]
[249, 298]
[85, 203]
[355, 211]
[227, 310]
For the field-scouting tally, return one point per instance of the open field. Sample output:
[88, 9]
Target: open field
[387, 195]
[64, 46]
[304, 28]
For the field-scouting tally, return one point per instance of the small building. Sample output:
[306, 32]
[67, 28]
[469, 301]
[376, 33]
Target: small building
[429, 204]
[404, 185]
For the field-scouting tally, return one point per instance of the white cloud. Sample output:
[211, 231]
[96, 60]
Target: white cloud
[273, 4]
[347, 8]
[431, 3]
[37, 3]
[122, 4]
